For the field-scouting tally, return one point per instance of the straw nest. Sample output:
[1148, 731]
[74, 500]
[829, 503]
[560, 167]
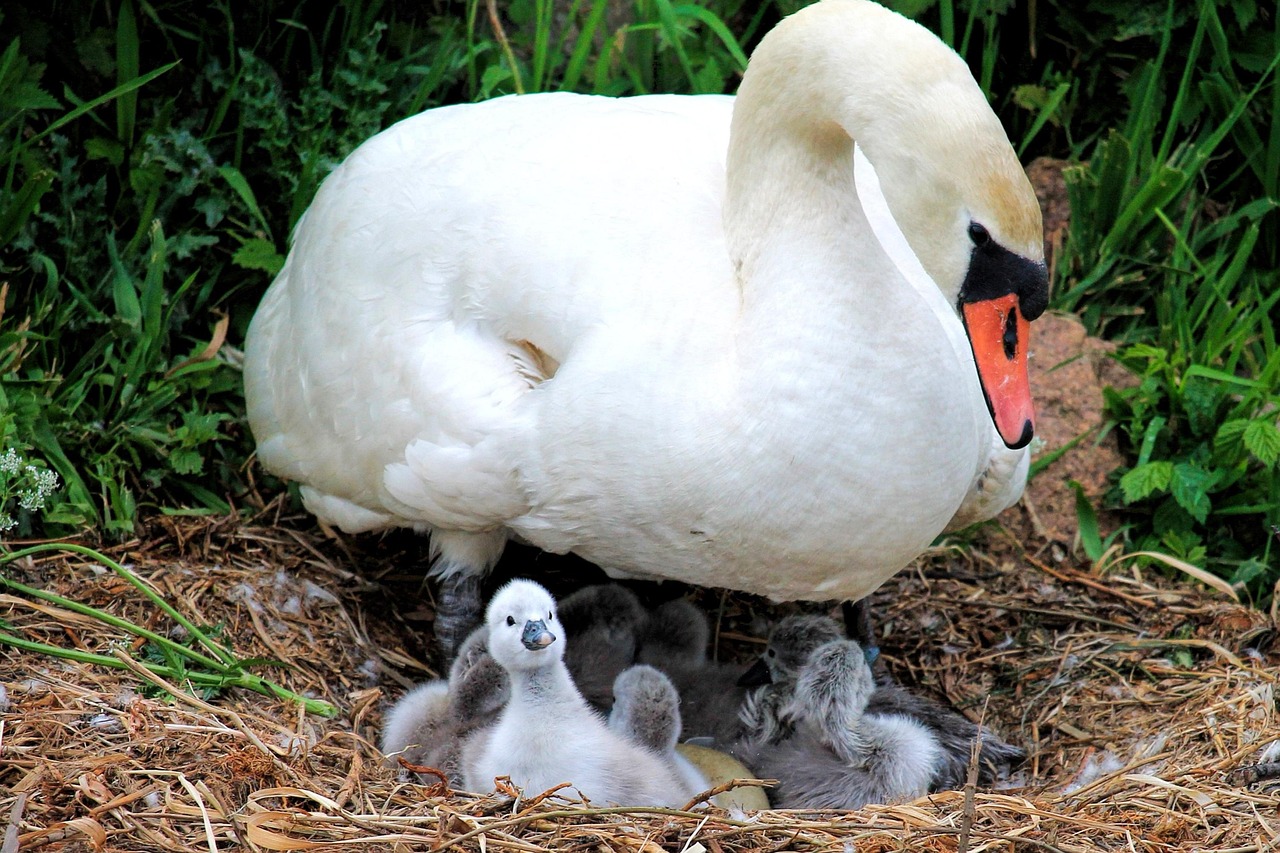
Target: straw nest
[1147, 708]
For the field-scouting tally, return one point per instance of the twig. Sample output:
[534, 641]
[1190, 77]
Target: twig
[724, 787]
[501, 35]
[1258, 772]
[10, 844]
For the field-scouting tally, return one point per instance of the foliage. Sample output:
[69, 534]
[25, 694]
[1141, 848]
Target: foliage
[1170, 251]
[155, 157]
[141, 226]
[25, 488]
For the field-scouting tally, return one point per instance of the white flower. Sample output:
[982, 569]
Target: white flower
[10, 462]
[43, 482]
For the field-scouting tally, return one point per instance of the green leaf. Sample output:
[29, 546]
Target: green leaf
[1190, 488]
[101, 148]
[1200, 398]
[240, 184]
[1248, 571]
[19, 207]
[1146, 480]
[259, 254]
[1230, 436]
[1087, 523]
[1263, 440]
[186, 460]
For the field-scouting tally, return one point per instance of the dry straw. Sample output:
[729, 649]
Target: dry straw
[1147, 708]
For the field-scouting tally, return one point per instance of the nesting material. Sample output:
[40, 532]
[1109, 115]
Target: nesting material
[1147, 707]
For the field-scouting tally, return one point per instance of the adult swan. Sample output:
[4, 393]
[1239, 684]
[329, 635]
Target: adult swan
[663, 332]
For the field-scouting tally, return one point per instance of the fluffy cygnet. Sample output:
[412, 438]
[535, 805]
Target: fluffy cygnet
[646, 709]
[416, 724]
[828, 751]
[602, 624]
[429, 723]
[547, 734]
[796, 637]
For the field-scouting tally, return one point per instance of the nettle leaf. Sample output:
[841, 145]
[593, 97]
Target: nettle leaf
[1190, 488]
[186, 460]
[1230, 436]
[258, 254]
[1263, 440]
[1145, 480]
[1200, 398]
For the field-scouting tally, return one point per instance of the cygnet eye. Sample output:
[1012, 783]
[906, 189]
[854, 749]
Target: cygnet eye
[549, 616]
[979, 234]
[511, 620]
[771, 653]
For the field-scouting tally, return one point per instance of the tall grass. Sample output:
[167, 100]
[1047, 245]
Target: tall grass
[1170, 252]
[154, 158]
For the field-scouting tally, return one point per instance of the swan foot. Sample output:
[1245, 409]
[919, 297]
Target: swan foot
[458, 611]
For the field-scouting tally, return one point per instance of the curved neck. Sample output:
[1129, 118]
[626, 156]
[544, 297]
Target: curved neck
[909, 103]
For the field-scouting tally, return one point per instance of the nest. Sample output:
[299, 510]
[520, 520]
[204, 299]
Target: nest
[1146, 706]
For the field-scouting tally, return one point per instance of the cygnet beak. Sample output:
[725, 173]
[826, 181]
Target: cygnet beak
[756, 676]
[536, 637]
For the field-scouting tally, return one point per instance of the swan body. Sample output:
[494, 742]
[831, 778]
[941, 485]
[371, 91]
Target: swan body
[665, 332]
[547, 734]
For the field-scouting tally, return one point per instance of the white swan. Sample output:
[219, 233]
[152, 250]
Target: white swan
[661, 332]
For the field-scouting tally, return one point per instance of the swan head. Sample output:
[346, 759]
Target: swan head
[792, 642]
[844, 71]
[522, 625]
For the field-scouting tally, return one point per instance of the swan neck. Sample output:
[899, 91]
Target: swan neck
[543, 686]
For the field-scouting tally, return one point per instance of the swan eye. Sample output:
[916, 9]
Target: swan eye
[549, 616]
[979, 234]
[511, 620]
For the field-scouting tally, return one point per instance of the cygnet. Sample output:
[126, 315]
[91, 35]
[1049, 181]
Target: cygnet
[795, 638]
[828, 751]
[547, 734]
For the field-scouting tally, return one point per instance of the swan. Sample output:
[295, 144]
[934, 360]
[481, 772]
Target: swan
[646, 710]
[827, 749]
[792, 643]
[684, 337]
[547, 733]
[428, 725]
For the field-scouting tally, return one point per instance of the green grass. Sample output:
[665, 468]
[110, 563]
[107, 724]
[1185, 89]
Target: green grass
[154, 158]
[200, 663]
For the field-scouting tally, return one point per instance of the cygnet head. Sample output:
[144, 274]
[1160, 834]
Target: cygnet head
[790, 645]
[524, 633]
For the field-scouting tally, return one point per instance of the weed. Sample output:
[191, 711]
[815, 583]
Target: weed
[200, 662]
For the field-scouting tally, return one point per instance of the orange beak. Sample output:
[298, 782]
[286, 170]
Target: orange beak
[999, 335]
